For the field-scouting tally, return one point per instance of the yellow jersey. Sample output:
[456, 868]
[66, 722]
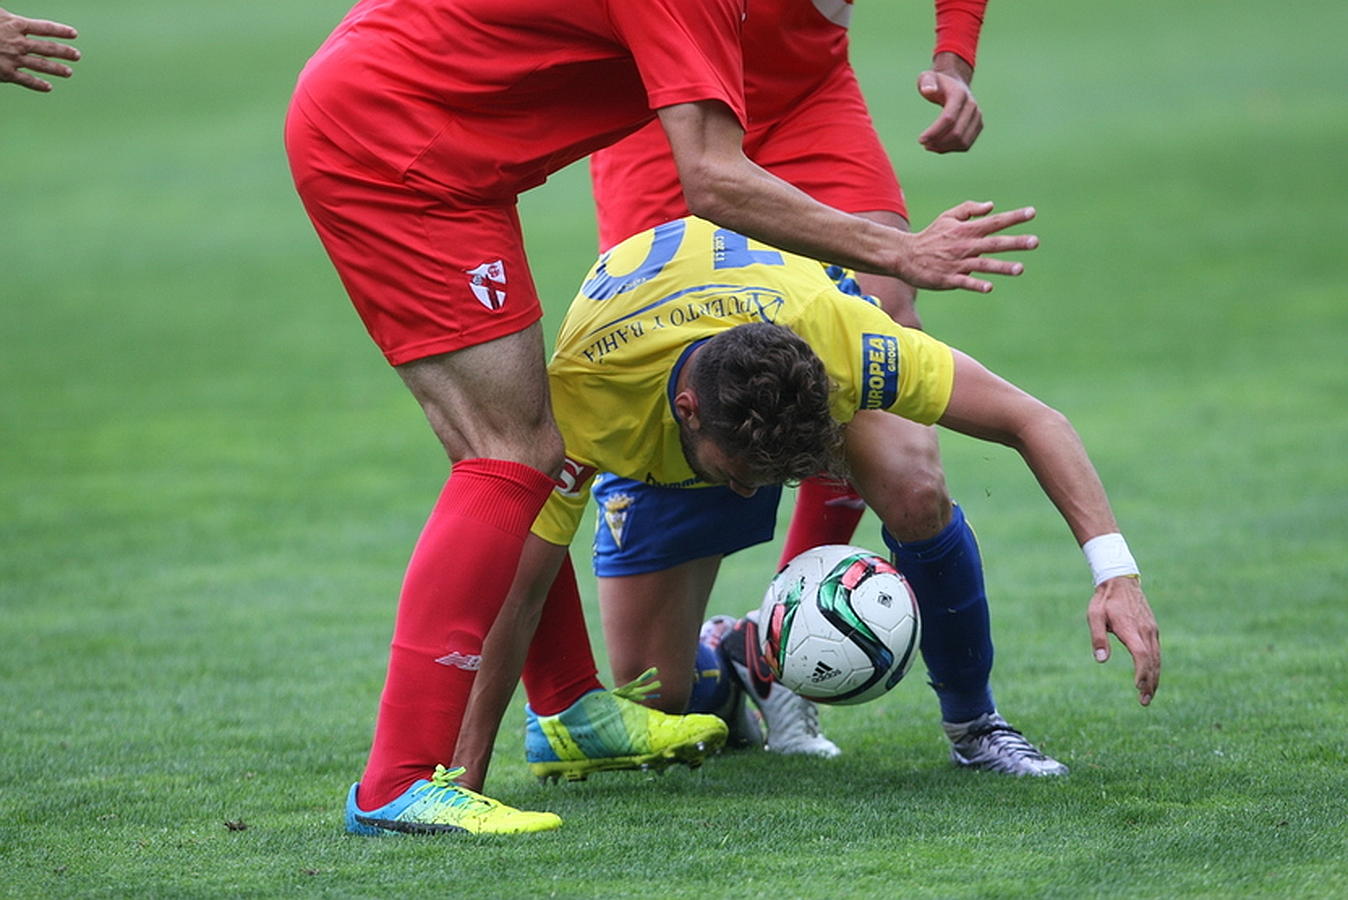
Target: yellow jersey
[648, 301]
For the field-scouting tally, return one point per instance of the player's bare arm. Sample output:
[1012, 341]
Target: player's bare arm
[985, 406]
[20, 51]
[503, 654]
[722, 185]
[960, 121]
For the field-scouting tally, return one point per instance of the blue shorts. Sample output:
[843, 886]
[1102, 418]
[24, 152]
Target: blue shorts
[643, 528]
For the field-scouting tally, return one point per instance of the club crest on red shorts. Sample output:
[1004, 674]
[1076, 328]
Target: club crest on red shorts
[487, 282]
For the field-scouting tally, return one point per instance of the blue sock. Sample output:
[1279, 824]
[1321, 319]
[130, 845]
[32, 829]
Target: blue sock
[711, 682]
[946, 574]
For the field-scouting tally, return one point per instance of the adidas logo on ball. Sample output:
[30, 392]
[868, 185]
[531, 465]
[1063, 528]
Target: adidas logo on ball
[822, 672]
[838, 624]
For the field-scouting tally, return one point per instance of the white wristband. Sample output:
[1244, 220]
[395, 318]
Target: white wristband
[1108, 557]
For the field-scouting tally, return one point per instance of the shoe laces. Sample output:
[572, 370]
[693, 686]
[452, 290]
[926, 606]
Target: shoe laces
[804, 714]
[1004, 737]
[444, 789]
[644, 686]
[810, 718]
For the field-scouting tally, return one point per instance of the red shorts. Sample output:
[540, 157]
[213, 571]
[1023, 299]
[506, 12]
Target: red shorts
[426, 276]
[825, 144]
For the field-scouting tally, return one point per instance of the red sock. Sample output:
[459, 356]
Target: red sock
[560, 666]
[827, 512]
[457, 580]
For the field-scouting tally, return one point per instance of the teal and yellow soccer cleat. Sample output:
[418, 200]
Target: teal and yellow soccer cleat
[606, 730]
[440, 805]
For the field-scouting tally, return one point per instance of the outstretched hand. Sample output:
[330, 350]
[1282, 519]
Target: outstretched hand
[943, 255]
[1119, 607]
[960, 120]
[18, 51]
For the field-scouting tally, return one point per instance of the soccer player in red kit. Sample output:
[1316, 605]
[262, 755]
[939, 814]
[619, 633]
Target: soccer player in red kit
[808, 124]
[411, 133]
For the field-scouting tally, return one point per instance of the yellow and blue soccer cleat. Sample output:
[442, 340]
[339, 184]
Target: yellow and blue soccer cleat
[440, 805]
[606, 730]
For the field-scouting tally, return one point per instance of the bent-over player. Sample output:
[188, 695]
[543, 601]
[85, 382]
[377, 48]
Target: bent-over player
[692, 358]
[809, 124]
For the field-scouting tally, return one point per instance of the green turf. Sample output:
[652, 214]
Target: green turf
[209, 483]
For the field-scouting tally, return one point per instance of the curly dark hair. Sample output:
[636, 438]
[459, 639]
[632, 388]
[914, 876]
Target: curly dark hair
[763, 397]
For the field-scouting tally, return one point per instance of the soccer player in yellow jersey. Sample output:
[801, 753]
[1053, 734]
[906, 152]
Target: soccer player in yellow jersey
[698, 361]
[646, 307]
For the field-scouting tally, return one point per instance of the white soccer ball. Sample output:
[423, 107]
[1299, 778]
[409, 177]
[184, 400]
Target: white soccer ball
[838, 625]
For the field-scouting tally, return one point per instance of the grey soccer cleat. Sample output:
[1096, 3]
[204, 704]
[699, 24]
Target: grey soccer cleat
[792, 722]
[989, 743]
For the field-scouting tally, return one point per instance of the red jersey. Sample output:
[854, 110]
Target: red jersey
[790, 47]
[808, 122]
[475, 101]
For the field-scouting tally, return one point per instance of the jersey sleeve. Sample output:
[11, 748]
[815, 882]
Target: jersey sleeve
[876, 363]
[926, 376]
[958, 25]
[685, 50]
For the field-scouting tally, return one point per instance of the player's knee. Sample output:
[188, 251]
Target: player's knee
[541, 449]
[548, 450]
[919, 508]
[537, 444]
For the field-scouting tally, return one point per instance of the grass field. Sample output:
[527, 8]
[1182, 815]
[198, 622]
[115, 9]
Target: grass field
[209, 485]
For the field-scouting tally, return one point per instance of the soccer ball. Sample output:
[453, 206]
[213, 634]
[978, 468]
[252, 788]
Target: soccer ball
[838, 625]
